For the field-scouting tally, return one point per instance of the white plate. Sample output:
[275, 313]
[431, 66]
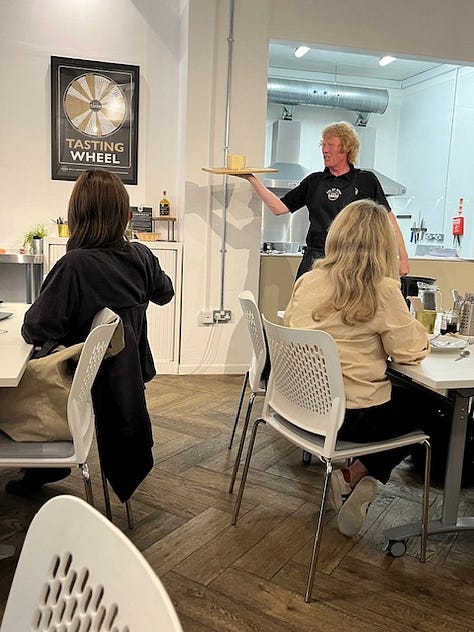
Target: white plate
[448, 343]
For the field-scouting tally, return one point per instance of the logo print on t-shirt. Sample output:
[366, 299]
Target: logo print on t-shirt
[333, 194]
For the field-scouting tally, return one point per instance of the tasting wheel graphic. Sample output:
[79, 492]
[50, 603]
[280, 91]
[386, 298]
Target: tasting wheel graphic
[95, 105]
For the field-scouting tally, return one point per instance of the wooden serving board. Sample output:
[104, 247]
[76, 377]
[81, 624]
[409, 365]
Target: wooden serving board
[223, 171]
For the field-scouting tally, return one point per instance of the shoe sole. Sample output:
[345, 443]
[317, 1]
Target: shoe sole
[336, 496]
[351, 516]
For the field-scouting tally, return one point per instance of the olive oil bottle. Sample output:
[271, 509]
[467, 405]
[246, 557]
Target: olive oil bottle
[164, 206]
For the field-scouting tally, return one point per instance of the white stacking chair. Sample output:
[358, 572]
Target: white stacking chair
[80, 412]
[306, 403]
[253, 376]
[77, 571]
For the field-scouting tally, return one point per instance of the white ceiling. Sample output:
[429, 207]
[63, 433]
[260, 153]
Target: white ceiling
[339, 63]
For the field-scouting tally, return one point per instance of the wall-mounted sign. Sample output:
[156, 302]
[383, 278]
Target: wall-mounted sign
[94, 118]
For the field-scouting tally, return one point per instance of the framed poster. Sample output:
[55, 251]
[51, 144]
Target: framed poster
[94, 118]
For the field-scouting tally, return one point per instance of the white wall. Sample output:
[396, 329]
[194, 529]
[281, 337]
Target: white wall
[182, 106]
[142, 33]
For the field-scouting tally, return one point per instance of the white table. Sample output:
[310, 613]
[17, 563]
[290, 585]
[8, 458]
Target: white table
[440, 372]
[14, 351]
[14, 354]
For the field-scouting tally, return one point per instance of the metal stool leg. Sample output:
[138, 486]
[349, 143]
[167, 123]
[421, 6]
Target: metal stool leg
[105, 488]
[243, 480]
[87, 483]
[130, 520]
[239, 409]
[241, 443]
[426, 502]
[317, 535]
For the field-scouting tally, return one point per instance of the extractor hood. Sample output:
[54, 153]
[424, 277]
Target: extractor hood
[366, 161]
[285, 156]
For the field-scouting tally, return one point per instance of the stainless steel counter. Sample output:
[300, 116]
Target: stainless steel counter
[33, 270]
[17, 257]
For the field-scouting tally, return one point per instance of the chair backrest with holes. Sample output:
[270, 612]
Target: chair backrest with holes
[79, 407]
[306, 385]
[253, 320]
[77, 571]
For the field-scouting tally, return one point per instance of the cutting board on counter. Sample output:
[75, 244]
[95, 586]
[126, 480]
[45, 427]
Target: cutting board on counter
[224, 171]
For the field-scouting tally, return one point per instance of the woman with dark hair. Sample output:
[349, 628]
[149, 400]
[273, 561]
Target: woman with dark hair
[354, 295]
[101, 268]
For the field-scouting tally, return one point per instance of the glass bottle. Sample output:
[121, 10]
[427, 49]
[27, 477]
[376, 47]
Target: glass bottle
[164, 206]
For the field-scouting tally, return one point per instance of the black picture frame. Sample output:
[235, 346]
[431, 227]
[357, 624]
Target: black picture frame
[94, 118]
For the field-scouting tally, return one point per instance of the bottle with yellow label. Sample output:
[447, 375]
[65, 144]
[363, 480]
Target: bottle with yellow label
[164, 206]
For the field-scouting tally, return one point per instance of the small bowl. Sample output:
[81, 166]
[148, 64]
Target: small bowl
[147, 236]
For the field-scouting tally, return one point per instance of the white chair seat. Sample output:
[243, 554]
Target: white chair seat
[344, 449]
[30, 454]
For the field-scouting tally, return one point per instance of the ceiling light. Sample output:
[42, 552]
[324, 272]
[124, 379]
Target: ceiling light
[387, 59]
[301, 50]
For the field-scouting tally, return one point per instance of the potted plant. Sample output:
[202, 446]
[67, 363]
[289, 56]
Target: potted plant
[33, 240]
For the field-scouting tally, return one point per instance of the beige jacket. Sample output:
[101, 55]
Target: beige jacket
[363, 347]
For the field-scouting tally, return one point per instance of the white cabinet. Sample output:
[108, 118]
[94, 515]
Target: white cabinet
[163, 322]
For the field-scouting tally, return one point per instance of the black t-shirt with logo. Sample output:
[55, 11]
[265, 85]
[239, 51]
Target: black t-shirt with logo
[325, 195]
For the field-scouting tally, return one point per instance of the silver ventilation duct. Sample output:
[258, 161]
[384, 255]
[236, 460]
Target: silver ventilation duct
[286, 133]
[292, 92]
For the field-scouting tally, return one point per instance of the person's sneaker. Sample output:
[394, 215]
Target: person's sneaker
[351, 516]
[339, 489]
[31, 479]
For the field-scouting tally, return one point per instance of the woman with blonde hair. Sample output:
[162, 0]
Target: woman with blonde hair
[354, 295]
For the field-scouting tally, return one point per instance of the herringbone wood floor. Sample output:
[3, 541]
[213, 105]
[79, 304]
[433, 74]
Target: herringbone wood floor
[250, 578]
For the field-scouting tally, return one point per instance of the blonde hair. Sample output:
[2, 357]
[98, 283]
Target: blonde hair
[360, 251]
[350, 142]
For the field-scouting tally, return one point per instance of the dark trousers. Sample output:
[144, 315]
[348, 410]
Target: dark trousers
[309, 257]
[409, 409]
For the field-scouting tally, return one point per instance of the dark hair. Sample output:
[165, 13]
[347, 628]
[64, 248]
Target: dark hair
[99, 210]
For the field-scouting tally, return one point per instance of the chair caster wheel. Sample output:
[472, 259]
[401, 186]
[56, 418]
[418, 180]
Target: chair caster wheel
[306, 458]
[396, 548]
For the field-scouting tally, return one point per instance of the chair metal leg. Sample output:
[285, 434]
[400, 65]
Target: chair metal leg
[243, 480]
[318, 534]
[130, 520]
[241, 444]
[426, 501]
[108, 507]
[87, 483]
[239, 409]
[105, 489]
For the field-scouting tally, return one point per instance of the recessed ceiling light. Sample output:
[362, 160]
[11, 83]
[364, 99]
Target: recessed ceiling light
[301, 50]
[387, 59]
